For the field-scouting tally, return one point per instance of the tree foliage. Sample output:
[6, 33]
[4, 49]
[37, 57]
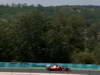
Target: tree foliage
[49, 34]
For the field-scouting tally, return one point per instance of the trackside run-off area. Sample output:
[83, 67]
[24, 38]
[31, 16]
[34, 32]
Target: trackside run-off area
[22, 73]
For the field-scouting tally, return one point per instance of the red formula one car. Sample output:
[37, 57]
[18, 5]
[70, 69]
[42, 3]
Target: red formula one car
[57, 68]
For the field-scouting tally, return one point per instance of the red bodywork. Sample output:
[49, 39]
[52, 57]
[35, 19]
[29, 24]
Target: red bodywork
[57, 68]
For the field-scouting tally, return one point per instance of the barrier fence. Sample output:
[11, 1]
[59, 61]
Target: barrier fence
[30, 65]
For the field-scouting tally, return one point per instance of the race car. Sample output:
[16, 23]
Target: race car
[57, 68]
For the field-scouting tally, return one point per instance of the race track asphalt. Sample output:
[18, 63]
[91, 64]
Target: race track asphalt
[30, 70]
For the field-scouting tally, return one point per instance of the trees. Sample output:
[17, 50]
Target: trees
[84, 57]
[31, 27]
[42, 36]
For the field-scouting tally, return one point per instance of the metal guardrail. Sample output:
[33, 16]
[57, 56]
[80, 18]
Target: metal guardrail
[29, 65]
